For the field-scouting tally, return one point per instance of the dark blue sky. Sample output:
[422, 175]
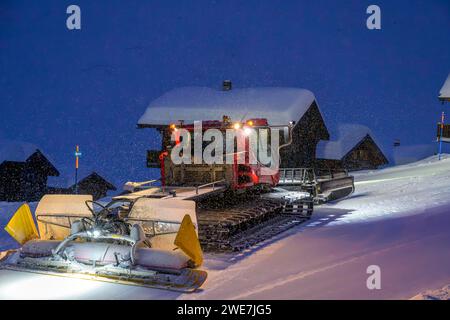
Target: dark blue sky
[59, 88]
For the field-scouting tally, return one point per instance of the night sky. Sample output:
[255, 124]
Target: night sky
[59, 88]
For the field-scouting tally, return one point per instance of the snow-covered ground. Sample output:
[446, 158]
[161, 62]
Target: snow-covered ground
[439, 294]
[398, 191]
[398, 219]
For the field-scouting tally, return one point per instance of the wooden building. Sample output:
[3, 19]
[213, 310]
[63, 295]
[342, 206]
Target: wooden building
[95, 185]
[280, 106]
[307, 133]
[92, 184]
[24, 171]
[355, 149]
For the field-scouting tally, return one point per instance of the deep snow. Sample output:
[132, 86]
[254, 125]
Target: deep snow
[397, 219]
[278, 105]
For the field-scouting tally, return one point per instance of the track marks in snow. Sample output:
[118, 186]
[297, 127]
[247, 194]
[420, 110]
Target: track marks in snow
[328, 268]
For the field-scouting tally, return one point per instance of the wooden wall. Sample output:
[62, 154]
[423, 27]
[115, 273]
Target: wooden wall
[308, 131]
[365, 155]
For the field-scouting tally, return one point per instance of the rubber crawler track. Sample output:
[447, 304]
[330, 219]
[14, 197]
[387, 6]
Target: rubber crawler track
[247, 222]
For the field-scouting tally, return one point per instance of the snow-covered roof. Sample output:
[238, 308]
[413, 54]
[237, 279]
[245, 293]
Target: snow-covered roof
[67, 178]
[15, 150]
[277, 105]
[444, 94]
[63, 181]
[349, 135]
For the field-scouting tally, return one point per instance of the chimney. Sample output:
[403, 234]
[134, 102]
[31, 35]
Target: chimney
[226, 85]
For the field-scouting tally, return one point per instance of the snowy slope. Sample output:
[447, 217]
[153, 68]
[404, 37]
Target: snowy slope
[412, 153]
[397, 219]
[398, 191]
[330, 262]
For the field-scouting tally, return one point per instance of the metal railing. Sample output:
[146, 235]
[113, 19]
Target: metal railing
[296, 175]
[309, 175]
[213, 184]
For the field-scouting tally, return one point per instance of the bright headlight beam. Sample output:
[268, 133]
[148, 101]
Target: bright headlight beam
[22, 285]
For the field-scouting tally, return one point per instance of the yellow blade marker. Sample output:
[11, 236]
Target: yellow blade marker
[187, 241]
[21, 226]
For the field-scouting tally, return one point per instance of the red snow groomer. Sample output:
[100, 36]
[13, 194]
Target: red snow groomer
[237, 202]
[236, 169]
[240, 202]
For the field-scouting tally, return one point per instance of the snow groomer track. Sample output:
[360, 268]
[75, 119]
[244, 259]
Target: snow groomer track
[246, 223]
[228, 222]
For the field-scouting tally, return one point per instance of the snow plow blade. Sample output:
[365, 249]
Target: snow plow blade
[21, 226]
[187, 241]
[154, 268]
[104, 245]
[185, 281]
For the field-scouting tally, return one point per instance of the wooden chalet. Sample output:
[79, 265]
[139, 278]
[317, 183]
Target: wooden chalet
[355, 149]
[280, 106]
[24, 171]
[92, 184]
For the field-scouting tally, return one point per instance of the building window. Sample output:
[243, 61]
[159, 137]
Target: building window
[363, 154]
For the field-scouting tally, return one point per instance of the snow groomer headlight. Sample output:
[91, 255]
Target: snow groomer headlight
[95, 233]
